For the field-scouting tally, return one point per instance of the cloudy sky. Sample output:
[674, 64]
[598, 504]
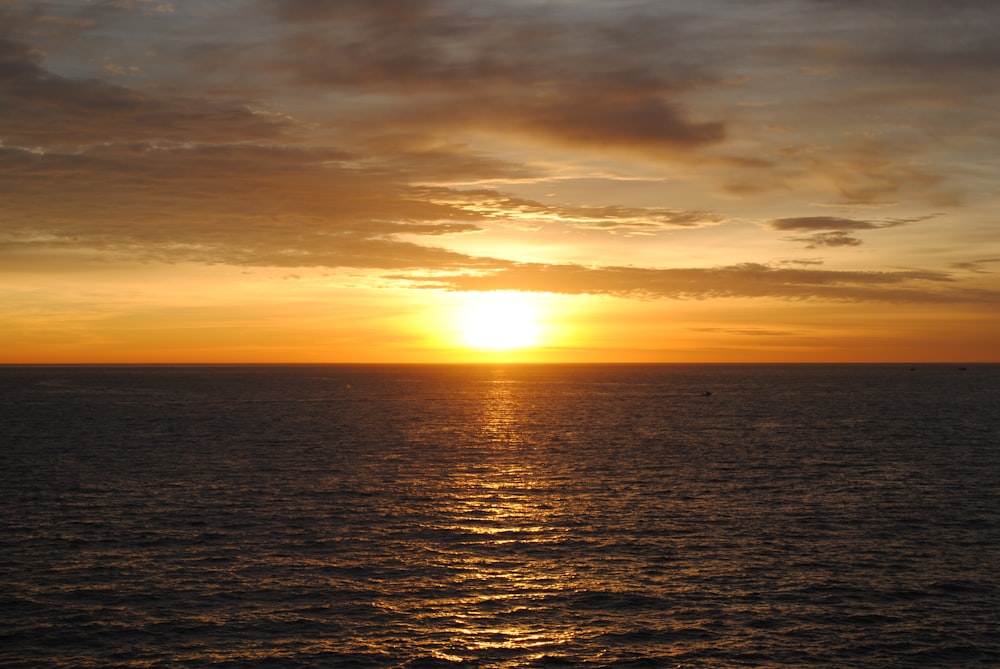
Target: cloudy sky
[342, 180]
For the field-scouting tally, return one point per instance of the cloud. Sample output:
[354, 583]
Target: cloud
[378, 104]
[184, 178]
[875, 102]
[418, 160]
[746, 280]
[495, 205]
[979, 266]
[942, 46]
[577, 119]
[832, 231]
[96, 167]
[31, 20]
[452, 65]
[43, 110]
[802, 262]
[228, 203]
[828, 239]
[376, 10]
[810, 223]
[924, 38]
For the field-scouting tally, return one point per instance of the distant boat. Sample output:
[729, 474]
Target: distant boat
[707, 393]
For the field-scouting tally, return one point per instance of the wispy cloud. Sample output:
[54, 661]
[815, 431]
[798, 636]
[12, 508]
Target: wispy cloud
[495, 205]
[979, 265]
[748, 280]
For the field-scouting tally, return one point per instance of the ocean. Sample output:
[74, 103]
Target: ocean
[695, 516]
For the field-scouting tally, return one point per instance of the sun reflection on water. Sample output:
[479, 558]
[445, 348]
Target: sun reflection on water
[504, 514]
[499, 413]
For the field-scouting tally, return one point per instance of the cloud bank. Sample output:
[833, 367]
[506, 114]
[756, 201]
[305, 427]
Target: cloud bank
[367, 134]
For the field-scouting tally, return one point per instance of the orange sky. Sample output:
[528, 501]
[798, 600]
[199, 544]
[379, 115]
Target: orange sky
[299, 181]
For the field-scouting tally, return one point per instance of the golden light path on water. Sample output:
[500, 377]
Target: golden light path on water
[505, 507]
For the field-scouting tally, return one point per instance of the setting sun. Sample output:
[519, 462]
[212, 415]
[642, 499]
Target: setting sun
[499, 321]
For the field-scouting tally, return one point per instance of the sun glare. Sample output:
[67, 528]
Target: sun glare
[500, 321]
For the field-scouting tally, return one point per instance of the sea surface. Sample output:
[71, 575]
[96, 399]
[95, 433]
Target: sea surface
[707, 516]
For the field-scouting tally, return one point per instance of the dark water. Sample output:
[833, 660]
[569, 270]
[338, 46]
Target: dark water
[519, 516]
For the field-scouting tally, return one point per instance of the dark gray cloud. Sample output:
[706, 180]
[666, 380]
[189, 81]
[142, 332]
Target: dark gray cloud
[457, 46]
[829, 223]
[919, 41]
[42, 109]
[832, 231]
[826, 239]
[458, 64]
[387, 11]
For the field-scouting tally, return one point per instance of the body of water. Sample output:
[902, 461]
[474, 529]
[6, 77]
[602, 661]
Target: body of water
[500, 516]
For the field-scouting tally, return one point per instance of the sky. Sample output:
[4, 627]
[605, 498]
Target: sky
[523, 180]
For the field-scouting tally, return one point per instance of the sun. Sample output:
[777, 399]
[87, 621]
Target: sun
[500, 321]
